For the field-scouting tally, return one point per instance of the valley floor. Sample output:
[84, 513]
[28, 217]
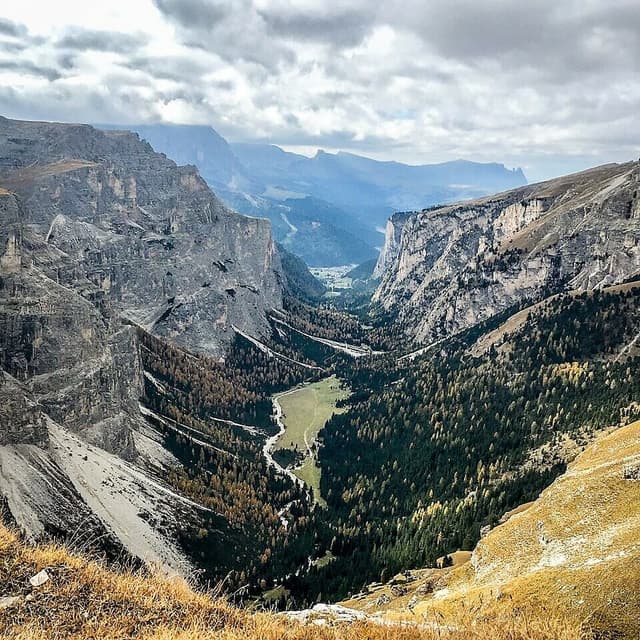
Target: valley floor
[303, 412]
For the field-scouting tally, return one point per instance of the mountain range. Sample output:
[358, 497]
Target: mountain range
[328, 209]
[148, 334]
[446, 268]
[103, 238]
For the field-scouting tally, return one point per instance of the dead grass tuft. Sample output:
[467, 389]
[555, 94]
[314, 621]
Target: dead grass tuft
[83, 599]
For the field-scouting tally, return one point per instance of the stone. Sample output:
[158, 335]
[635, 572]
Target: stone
[450, 267]
[10, 601]
[39, 579]
[101, 236]
[101, 213]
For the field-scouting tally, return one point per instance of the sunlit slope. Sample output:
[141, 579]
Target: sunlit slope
[46, 592]
[575, 551]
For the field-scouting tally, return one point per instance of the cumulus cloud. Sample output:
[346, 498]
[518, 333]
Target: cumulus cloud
[30, 68]
[342, 27]
[195, 14]
[8, 28]
[88, 39]
[549, 86]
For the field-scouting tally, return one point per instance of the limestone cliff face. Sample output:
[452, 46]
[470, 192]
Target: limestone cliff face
[145, 237]
[21, 418]
[98, 233]
[391, 247]
[458, 265]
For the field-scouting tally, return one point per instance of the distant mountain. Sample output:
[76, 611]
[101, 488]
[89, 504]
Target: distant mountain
[315, 230]
[201, 146]
[300, 283]
[329, 209]
[370, 190]
[363, 271]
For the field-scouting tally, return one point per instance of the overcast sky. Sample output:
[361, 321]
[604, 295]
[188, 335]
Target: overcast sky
[549, 85]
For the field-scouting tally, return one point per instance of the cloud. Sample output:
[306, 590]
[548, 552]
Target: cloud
[234, 30]
[341, 28]
[30, 68]
[87, 39]
[546, 85]
[195, 14]
[8, 28]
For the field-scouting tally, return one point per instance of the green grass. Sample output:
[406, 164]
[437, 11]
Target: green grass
[309, 472]
[305, 412]
[326, 559]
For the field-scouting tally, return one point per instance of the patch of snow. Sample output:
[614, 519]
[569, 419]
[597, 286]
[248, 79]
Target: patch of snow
[155, 382]
[246, 427]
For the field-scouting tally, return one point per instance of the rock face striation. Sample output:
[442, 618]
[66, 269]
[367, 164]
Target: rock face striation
[100, 234]
[133, 232]
[447, 268]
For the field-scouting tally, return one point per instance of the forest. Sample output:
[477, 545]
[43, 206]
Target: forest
[427, 453]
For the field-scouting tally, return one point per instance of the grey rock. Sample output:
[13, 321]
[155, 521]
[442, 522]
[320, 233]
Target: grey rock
[455, 266]
[21, 420]
[391, 247]
[39, 579]
[10, 601]
[137, 234]
[98, 235]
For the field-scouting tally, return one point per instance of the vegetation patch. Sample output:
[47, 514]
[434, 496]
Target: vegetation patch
[304, 414]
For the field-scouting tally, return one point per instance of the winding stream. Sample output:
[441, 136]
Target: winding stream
[271, 441]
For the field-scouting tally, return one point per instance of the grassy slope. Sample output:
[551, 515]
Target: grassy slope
[82, 599]
[305, 412]
[575, 550]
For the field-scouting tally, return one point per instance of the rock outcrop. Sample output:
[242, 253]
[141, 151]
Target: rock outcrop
[448, 268]
[138, 234]
[100, 234]
[391, 247]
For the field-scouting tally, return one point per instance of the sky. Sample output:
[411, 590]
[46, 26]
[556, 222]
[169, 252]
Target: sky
[550, 86]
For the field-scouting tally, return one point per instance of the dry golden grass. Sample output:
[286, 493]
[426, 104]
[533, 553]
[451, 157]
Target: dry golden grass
[28, 175]
[574, 552]
[517, 320]
[568, 563]
[85, 600]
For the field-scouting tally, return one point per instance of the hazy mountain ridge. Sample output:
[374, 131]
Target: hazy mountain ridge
[371, 190]
[327, 209]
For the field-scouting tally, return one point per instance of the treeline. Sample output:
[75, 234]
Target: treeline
[325, 321]
[239, 388]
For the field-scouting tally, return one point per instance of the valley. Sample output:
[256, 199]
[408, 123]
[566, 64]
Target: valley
[178, 386]
[327, 209]
[319, 320]
[302, 413]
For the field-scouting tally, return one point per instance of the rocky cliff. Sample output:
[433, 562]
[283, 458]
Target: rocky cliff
[448, 268]
[99, 233]
[391, 247]
[138, 234]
